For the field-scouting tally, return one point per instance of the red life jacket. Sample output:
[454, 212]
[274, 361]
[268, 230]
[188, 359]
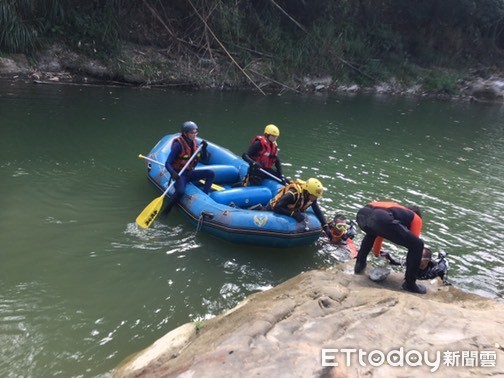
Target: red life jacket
[185, 155]
[267, 154]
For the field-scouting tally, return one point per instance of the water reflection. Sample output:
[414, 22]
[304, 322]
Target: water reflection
[83, 287]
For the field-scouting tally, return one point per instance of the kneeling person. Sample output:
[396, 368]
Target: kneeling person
[294, 199]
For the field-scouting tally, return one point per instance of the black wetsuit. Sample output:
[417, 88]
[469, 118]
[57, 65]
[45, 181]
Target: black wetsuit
[434, 269]
[395, 223]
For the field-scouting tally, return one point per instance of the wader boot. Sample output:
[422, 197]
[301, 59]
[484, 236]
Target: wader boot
[409, 283]
[360, 262]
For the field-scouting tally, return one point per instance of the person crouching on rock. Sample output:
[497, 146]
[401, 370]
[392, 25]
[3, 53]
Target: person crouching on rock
[399, 224]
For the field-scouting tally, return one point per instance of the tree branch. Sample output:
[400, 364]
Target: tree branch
[224, 48]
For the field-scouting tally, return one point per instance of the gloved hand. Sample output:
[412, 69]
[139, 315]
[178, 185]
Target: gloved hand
[284, 179]
[298, 216]
[327, 231]
[204, 143]
[389, 258]
[254, 166]
[175, 176]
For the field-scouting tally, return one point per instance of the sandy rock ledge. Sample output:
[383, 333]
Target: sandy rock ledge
[281, 333]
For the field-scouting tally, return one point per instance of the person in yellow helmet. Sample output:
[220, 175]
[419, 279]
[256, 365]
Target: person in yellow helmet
[295, 198]
[263, 154]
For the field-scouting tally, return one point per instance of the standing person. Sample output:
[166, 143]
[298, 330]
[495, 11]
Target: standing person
[263, 153]
[183, 147]
[399, 224]
[295, 198]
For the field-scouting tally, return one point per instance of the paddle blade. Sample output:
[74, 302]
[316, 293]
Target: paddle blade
[351, 247]
[150, 213]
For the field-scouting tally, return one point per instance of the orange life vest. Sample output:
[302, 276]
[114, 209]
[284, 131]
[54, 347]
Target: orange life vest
[295, 188]
[185, 155]
[415, 226]
[268, 153]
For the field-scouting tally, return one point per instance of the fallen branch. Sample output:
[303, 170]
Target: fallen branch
[224, 48]
[274, 81]
[289, 16]
[303, 29]
[158, 17]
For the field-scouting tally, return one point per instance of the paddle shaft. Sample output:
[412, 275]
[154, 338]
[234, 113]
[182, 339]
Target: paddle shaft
[270, 175]
[151, 160]
[151, 211]
[182, 170]
[214, 186]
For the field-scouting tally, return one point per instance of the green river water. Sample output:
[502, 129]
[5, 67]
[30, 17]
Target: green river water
[82, 288]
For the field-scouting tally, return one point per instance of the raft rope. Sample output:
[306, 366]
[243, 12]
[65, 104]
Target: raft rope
[201, 219]
[200, 223]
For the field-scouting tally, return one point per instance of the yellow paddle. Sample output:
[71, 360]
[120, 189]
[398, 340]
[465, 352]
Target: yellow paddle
[152, 210]
[214, 186]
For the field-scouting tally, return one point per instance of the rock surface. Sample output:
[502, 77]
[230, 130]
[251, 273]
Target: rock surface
[281, 333]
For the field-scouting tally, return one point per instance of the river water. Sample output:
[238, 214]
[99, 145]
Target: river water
[82, 288]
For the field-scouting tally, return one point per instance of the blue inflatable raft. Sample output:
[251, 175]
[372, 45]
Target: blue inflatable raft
[225, 212]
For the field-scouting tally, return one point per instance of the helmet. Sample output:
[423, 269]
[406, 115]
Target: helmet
[415, 209]
[314, 187]
[272, 130]
[189, 126]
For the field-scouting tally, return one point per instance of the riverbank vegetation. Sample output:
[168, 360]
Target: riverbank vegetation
[352, 41]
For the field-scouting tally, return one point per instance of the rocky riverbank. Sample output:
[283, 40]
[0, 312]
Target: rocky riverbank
[150, 67]
[333, 323]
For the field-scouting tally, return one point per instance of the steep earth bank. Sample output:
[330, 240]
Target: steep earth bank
[151, 67]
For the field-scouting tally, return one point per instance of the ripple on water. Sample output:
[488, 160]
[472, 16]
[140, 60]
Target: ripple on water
[171, 239]
[24, 313]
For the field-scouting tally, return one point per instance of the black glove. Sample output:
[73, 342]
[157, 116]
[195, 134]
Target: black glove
[298, 216]
[175, 176]
[327, 231]
[204, 144]
[284, 180]
[389, 258]
[254, 166]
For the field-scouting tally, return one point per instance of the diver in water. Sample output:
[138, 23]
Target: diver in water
[430, 268]
[341, 229]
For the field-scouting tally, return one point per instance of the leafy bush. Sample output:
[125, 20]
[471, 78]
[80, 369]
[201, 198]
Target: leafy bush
[441, 82]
